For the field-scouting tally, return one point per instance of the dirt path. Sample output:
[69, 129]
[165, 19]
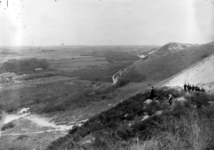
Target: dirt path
[38, 120]
[31, 133]
[46, 123]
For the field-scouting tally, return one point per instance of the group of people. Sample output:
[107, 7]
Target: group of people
[188, 88]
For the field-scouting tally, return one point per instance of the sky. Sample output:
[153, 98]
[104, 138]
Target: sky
[105, 22]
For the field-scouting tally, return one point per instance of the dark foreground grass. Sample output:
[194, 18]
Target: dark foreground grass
[193, 130]
[120, 126]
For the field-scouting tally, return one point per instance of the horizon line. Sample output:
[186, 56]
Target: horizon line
[73, 45]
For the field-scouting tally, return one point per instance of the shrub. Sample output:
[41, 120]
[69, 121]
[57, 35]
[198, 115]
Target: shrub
[125, 133]
[130, 76]
[163, 92]
[199, 99]
[8, 126]
[205, 56]
[22, 137]
[50, 108]
[1, 107]
[189, 131]
[122, 82]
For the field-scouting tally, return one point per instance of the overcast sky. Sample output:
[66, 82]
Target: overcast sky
[106, 22]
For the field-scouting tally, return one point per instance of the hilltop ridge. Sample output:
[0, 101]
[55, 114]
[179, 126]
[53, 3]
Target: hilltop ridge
[177, 46]
[168, 60]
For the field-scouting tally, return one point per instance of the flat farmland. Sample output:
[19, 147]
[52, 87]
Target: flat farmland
[4, 57]
[76, 63]
[66, 52]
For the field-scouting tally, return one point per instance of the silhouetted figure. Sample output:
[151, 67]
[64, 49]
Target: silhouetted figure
[189, 87]
[193, 88]
[185, 87]
[197, 88]
[170, 99]
[152, 94]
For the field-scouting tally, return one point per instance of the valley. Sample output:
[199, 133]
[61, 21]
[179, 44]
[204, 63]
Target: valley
[101, 99]
[45, 105]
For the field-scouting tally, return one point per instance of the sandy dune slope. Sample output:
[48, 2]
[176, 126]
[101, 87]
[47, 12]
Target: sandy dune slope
[201, 74]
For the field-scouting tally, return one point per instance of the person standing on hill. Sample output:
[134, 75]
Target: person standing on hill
[185, 87]
[152, 94]
[189, 88]
[170, 99]
[193, 88]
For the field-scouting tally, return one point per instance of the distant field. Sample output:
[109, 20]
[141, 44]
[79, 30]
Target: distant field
[65, 52]
[93, 63]
[77, 63]
[38, 55]
[97, 73]
[69, 58]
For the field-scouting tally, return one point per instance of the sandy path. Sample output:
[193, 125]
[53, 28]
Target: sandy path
[46, 123]
[38, 120]
[31, 133]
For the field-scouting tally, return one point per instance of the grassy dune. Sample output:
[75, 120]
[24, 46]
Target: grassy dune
[123, 127]
[165, 63]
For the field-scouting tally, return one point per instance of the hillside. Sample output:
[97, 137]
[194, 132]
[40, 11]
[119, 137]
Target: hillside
[52, 102]
[169, 60]
[139, 123]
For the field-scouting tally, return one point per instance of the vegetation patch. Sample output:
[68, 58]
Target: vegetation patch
[131, 76]
[24, 65]
[37, 76]
[97, 74]
[8, 126]
[113, 56]
[120, 126]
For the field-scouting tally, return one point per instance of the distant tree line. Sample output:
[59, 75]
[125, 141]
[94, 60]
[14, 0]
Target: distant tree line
[24, 65]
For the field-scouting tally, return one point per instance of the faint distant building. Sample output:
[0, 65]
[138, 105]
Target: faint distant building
[38, 69]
